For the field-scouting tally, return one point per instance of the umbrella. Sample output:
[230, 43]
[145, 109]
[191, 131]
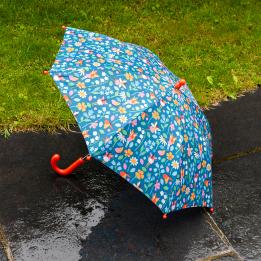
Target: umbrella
[137, 118]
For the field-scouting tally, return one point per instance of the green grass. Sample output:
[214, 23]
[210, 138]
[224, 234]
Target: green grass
[214, 45]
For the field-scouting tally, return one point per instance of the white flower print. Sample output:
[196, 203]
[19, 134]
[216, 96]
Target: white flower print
[121, 137]
[120, 83]
[123, 118]
[163, 140]
[82, 94]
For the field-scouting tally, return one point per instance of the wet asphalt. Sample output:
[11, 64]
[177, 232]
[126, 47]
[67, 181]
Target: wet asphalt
[96, 215]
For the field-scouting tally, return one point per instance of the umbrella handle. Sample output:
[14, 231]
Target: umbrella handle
[64, 172]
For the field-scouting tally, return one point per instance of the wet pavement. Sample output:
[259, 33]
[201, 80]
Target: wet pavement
[237, 186]
[236, 127]
[96, 215]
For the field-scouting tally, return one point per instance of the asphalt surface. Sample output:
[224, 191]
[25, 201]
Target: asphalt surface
[96, 215]
[237, 186]
[236, 128]
[236, 125]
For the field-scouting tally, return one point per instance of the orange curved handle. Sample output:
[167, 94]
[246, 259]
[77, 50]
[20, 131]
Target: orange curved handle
[64, 172]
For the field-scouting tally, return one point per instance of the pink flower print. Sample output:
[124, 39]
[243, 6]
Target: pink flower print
[162, 103]
[146, 61]
[101, 101]
[141, 94]
[134, 123]
[151, 159]
[119, 150]
[154, 128]
[125, 166]
[73, 79]
[157, 186]
[152, 95]
[115, 103]
[106, 140]
[107, 157]
[189, 151]
[161, 152]
[132, 136]
[120, 83]
[94, 125]
[155, 79]
[199, 166]
[116, 50]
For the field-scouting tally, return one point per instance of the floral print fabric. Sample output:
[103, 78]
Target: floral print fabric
[134, 120]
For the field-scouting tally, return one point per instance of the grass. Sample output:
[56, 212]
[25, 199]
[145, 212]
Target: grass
[214, 45]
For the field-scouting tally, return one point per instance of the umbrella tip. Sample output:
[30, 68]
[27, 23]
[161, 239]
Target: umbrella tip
[63, 27]
[180, 83]
[164, 216]
[45, 72]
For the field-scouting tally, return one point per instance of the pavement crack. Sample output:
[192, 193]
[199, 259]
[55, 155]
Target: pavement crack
[6, 245]
[238, 155]
[222, 236]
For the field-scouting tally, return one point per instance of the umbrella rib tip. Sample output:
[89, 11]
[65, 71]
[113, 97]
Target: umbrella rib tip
[180, 83]
[164, 216]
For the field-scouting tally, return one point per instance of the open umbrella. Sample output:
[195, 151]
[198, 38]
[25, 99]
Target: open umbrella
[137, 118]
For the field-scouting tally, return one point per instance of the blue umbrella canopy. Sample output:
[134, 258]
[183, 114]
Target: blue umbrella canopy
[136, 118]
